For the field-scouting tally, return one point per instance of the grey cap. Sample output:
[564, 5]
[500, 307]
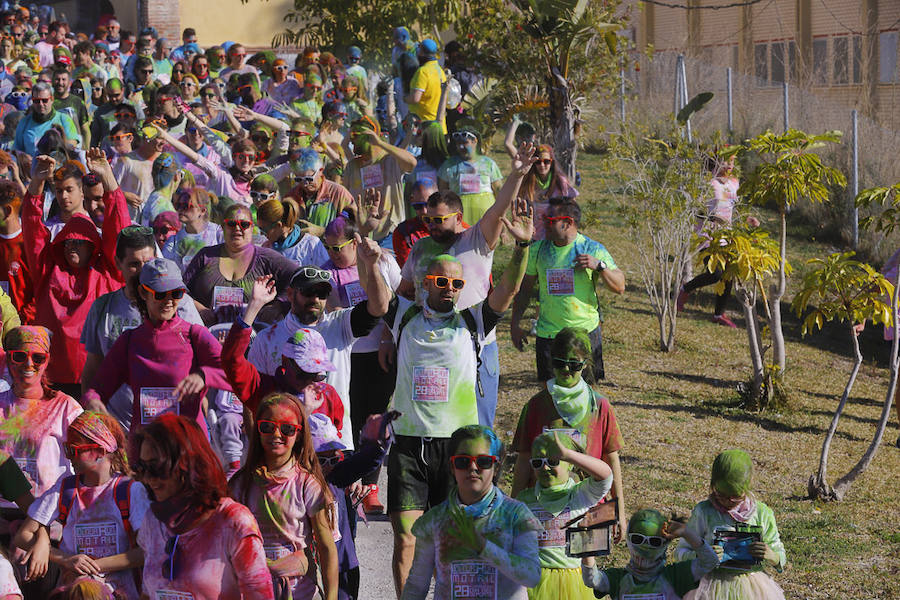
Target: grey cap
[161, 275]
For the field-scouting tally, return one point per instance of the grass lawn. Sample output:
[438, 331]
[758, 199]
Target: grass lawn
[678, 410]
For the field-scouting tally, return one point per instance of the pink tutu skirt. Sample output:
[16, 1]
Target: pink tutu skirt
[729, 585]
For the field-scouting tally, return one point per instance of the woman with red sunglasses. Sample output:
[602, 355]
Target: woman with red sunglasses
[283, 484]
[168, 362]
[43, 414]
[544, 180]
[236, 263]
[478, 532]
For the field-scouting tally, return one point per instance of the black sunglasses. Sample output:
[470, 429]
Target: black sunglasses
[568, 365]
[143, 468]
[269, 427]
[464, 461]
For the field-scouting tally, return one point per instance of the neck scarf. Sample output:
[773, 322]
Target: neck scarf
[433, 315]
[573, 404]
[482, 507]
[545, 185]
[177, 513]
[554, 499]
[741, 513]
[644, 568]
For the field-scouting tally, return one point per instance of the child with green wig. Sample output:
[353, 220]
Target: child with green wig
[731, 503]
[555, 500]
[647, 576]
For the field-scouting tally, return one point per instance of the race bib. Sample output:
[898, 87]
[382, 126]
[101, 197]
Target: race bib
[224, 295]
[29, 468]
[576, 435]
[276, 551]
[469, 183]
[173, 595]
[372, 177]
[560, 282]
[97, 539]
[553, 535]
[644, 597]
[473, 580]
[156, 401]
[431, 384]
[355, 293]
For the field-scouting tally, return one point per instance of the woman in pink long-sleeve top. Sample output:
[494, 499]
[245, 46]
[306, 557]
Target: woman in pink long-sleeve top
[168, 362]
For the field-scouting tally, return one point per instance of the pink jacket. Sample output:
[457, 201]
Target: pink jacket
[160, 356]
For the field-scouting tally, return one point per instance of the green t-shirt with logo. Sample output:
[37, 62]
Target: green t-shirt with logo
[567, 294]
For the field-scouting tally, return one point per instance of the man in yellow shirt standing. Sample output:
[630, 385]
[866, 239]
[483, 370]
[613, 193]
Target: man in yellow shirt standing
[425, 89]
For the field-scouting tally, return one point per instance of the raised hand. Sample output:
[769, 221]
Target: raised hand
[264, 290]
[44, 167]
[242, 113]
[367, 250]
[522, 225]
[525, 157]
[369, 209]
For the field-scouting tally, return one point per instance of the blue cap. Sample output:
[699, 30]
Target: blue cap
[161, 275]
[428, 46]
[354, 52]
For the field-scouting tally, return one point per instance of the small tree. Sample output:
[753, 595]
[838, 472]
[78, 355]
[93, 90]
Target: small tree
[660, 201]
[840, 288]
[790, 171]
[748, 258]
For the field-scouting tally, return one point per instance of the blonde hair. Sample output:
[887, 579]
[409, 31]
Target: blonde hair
[286, 212]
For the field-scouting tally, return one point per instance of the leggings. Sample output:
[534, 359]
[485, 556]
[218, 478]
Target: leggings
[706, 278]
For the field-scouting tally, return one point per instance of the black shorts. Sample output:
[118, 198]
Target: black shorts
[418, 473]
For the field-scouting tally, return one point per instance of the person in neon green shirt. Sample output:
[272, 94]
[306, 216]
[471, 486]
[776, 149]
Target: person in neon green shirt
[425, 88]
[568, 268]
[471, 175]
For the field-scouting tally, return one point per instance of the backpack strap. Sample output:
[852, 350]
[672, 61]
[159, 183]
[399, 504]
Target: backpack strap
[122, 495]
[408, 316]
[469, 319]
[67, 497]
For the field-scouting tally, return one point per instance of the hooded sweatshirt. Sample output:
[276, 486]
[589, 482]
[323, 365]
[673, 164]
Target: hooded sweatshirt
[63, 295]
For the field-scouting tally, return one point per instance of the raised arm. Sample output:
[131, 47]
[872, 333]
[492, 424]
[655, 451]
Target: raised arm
[377, 289]
[116, 215]
[33, 227]
[245, 114]
[510, 141]
[490, 222]
[522, 229]
[405, 160]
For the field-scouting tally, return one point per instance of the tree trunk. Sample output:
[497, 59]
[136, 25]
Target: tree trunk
[818, 483]
[775, 296]
[562, 122]
[756, 357]
[842, 485]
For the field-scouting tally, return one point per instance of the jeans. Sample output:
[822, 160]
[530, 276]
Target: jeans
[490, 383]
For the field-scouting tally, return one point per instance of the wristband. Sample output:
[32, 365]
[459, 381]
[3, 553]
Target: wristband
[523, 244]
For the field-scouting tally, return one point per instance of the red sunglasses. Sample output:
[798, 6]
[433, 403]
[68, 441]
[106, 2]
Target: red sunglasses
[235, 223]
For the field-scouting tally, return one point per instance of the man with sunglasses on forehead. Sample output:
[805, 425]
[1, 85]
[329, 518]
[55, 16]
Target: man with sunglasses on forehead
[113, 313]
[570, 269]
[308, 292]
[473, 176]
[438, 354]
[474, 248]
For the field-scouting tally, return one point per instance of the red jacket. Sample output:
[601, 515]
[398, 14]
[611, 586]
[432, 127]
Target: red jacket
[63, 296]
[251, 386]
[17, 275]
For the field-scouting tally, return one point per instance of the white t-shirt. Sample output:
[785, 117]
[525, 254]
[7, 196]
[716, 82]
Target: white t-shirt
[183, 246]
[265, 353]
[8, 584]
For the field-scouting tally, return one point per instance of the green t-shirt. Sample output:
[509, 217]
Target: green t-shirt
[678, 576]
[567, 294]
[73, 106]
[471, 180]
[13, 482]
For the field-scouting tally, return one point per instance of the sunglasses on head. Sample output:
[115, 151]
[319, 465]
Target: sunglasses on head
[144, 468]
[462, 136]
[260, 196]
[336, 248]
[176, 294]
[465, 461]
[21, 356]
[437, 219]
[75, 450]
[444, 282]
[639, 539]
[235, 223]
[567, 364]
[538, 463]
[269, 427]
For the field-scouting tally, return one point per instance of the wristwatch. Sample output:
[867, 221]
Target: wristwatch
[601, 266]
[523, 244]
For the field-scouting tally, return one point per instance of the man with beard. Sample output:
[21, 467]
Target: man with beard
[474, 249]
[437, 377]
[308, 292]
[70, 104]
[115, 312]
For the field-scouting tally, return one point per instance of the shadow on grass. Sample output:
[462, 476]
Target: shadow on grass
[851, 400]
[702, 379]
[731, 411]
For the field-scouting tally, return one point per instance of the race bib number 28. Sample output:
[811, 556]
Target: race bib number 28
[431, 384]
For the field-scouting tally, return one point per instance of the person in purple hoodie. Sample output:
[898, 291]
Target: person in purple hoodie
[168, 362]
